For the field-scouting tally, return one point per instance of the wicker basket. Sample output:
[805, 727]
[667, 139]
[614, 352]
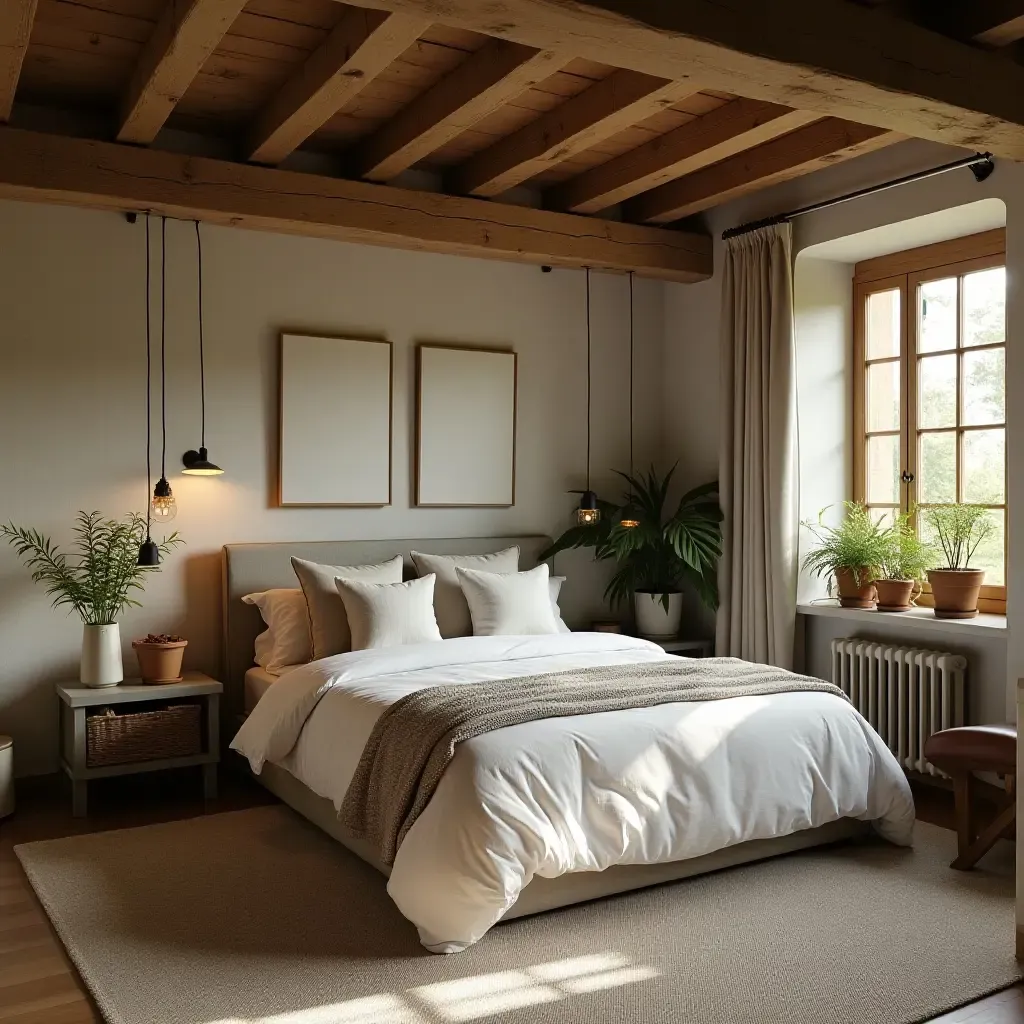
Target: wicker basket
[173, 731]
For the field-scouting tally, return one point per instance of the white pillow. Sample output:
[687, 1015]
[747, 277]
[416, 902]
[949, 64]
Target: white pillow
[285, 641]
[389, 614]
[509, 603]
[453, 617]
[328, 624]
[555, 586]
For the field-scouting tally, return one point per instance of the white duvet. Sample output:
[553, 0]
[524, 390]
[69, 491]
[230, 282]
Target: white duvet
[576, 794]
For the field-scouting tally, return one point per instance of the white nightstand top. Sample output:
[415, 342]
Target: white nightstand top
[194, 684]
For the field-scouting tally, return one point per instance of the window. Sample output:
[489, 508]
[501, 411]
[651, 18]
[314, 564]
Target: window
[929, 387]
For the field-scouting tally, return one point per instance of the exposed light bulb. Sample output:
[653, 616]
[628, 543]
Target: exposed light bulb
[588, 514]
[628, 523]
[163, 508]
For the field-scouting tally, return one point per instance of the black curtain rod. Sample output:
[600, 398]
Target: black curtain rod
[981, 165]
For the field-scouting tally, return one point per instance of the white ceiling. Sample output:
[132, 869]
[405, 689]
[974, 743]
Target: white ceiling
[908, 234]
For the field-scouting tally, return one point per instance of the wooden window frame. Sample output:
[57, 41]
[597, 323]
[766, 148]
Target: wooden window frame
[905, 272]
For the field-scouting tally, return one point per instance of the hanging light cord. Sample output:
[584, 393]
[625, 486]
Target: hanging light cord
[588, 378]
[631, 373]
[202, 359]
[163, 349]
[149, 388]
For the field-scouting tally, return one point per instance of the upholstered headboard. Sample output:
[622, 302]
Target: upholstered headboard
[249, 568]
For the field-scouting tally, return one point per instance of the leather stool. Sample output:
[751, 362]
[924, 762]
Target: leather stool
[959, 753]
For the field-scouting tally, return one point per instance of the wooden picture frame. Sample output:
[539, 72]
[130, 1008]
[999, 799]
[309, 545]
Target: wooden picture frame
[466, 421]
[335, 424]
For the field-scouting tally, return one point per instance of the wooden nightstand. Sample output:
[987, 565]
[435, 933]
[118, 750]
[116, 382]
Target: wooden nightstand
[76, 700]
[687, 648]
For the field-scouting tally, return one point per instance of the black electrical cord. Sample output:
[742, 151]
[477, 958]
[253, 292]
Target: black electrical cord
[202, 357]
[588, 377]
[163, 349]
[149, 388]
[631, 373]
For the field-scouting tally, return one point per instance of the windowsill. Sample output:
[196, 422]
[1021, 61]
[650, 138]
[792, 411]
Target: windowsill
[916, 620]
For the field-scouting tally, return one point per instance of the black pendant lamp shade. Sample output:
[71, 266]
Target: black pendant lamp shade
[588, 514]
[197, 463]
[149, 553]
[630, 518]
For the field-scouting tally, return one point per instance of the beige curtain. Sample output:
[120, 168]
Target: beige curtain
[757, 460]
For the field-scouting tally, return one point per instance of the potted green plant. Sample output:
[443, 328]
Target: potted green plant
[662, 552]
[959, 528]
[97, 581]
[848, 555]
[903, 567]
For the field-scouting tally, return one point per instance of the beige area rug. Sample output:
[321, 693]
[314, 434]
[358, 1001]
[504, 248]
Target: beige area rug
[256, 916]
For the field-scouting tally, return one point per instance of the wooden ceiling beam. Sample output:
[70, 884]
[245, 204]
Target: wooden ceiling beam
[603, 110]
[38, 167]
[993, 22]
[186, 34]
[832, 57]
[357, 50]
[16, 18]
[818, 145]
[487, 79]
[738, 125]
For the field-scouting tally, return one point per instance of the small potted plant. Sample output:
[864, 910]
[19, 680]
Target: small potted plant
[97, 582]
[960, 529]
[849, 555]
[160, 656]
[901, 571]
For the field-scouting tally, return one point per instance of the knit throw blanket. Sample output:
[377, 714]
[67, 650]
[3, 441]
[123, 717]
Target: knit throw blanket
[414, 740]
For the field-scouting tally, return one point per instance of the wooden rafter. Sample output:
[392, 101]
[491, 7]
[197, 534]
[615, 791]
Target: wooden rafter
[104, 175]
[186, 34]
[736, 126]
[807, 149]
[829, 56]
[358, 49]
[16, 17]
[622, 99]
[496, 73]
[994, 22]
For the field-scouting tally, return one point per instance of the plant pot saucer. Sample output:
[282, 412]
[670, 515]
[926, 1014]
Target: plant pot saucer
[943, 614]
[894, 608]
[162, 682]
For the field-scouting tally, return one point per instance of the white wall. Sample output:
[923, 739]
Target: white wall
[692, 320]
[72, 419]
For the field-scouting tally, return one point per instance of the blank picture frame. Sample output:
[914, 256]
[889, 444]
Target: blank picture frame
[465, 427]
[335, 421]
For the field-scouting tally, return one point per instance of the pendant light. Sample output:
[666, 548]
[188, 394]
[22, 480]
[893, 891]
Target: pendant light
[630, 516]
[163, 507]
[588, 514]
[149, 553]
[197, 463]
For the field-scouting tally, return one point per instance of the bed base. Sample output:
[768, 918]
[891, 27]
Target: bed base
[544, 894]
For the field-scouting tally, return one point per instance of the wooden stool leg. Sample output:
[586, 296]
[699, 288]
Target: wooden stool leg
[964, 812]
[966, 859]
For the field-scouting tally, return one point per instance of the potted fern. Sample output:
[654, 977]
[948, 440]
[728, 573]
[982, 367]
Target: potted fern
[849, 555]
[903, 566]
[97, 580]
[960, 529]
[664, 551]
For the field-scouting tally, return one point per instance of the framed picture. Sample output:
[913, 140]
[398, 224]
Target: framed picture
[335, 444]
[465, 427]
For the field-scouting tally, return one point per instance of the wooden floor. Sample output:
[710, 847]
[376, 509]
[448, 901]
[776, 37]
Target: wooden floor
[38, 984]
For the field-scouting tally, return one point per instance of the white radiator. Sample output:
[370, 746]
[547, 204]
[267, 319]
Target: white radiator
[905, 693]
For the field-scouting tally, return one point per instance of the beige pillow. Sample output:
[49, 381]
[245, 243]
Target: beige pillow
[285, 641]
[450, 606]
[328, 623]
[389, 614]
[509, 603]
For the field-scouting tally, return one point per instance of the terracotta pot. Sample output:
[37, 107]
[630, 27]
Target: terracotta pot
[160, 663]
[956, 592]
[852, 594]
[895, 595]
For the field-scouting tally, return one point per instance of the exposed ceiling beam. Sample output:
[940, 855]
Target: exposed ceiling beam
[830, 56]
[607, 107]
[487, 79]
[994, 22]
[738, 125]
[186, 34]
[358, 49]
[807, 149]
[16, 17]
[37, 167]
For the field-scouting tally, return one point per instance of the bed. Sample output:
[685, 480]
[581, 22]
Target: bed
[834, 777]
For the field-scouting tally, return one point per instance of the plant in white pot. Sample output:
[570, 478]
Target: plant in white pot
[960, 530]
[659, 555]
[97, 580]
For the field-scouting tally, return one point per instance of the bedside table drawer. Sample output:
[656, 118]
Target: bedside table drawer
[137, 737]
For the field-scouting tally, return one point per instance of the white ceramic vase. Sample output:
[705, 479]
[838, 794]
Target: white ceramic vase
[101, 656]
[653, 619]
